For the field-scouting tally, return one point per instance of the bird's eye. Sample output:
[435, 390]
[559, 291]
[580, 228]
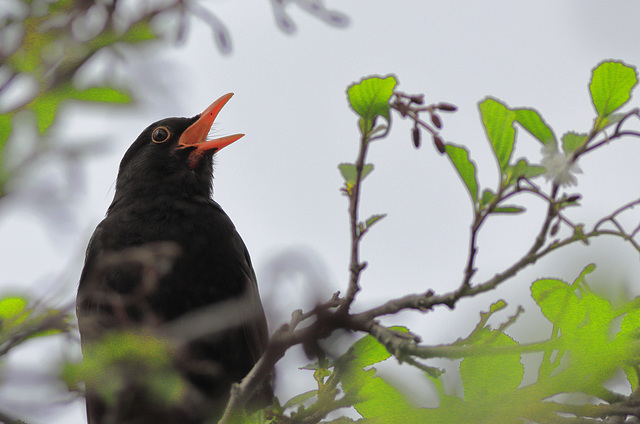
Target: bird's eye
[160, 135]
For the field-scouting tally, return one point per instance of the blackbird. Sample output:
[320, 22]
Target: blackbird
[167, 257]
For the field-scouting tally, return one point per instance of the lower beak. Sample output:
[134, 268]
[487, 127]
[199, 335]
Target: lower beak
[196, 134]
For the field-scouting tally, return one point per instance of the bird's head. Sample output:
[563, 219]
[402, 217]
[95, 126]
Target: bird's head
[173, 156]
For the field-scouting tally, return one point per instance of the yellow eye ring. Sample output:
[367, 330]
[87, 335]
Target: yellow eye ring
[160, 135]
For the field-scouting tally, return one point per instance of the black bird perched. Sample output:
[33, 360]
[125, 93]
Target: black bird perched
[164, 252]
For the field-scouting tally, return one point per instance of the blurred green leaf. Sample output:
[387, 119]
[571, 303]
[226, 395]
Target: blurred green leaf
[611, 85]
[558, 302]
[98, 94]
[5, 131]
[485, 377]
[370, 98]
[13, 310]
[466, 168]
[378, 400]
[128, 358]
[498, 124]
[45, 106]
[301, 398]
[138, 32]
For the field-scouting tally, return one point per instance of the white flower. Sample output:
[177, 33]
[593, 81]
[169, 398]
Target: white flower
[560, 166]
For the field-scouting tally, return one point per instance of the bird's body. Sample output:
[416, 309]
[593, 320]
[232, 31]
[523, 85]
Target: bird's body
[164, 252]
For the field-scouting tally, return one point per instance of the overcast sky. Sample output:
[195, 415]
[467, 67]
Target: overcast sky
[280, 183]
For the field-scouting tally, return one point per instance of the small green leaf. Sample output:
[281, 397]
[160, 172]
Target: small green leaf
[509, 209]
[349, 173]
[374, 218]
[498, 124]
[370, 98]
[481, 331]
[571, 141]
[578, 232]
[522, 169]
[303, 397]
[533, 122]
[320, 374]
[487, 197]
[370, 221]
[611, 85]
[466, 168]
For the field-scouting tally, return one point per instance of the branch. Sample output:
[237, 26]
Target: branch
[355, 267]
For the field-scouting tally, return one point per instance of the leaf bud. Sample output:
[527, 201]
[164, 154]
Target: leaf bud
[415, 134]
[435, 119]
[439, 144]
[417, 99]
[446, 107]
[555, 228]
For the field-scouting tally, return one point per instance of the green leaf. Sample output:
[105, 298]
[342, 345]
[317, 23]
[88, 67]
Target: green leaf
[487, 197]
[45, 107]
[380, 401]
[571, 141]
[522, 169]
[481, 331]
[466, 168]
[485, 377]
[631, 323]
[303, 397]
[558, 302]
[5, 132]
[533, 122]
[611, 85]
[138, 32]
[349, 173]
[13, 309]
[498, 124]
[124, 358]
[611, 119]
[364, 227]
[98, 94]
[370, 98]
[509, 209]
[368, 350]
[373, 219]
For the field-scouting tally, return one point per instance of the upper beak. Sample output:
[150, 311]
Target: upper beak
[196, 134]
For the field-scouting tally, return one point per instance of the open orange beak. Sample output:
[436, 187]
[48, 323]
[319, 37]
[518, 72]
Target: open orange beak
[196, 134]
